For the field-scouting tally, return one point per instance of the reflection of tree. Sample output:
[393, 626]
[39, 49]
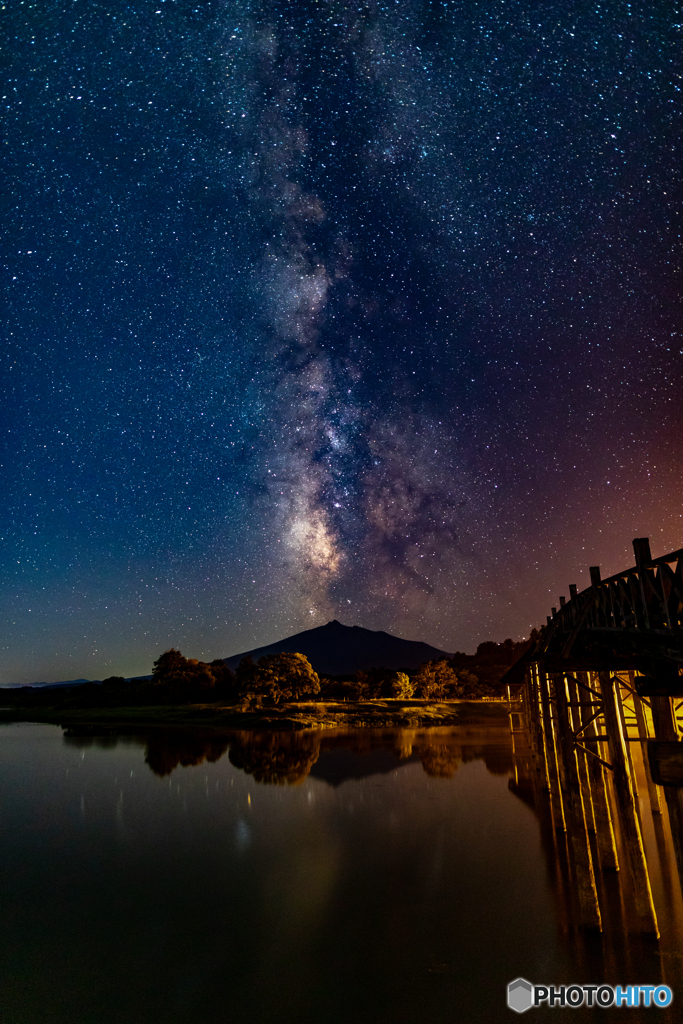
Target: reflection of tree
[275, 758]
[498, 760]
[87, 736]
[403, 742]
[440, 760]
[167, 750]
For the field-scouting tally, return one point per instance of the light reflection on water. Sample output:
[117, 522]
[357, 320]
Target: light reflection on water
[376, 875]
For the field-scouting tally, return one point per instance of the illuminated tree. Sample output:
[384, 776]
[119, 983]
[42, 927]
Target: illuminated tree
[436, 680]
[401, 686]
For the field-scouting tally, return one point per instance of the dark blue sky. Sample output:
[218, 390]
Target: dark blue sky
[368, 311]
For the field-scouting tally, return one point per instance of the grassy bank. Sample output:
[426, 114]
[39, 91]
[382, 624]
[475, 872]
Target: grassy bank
[300, 715]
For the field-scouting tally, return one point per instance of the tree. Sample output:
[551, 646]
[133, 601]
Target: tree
[277, 677]
[182, 678]
[439, 680]
[225, 680]
[436, 680]
[401, 686]
[166, 663]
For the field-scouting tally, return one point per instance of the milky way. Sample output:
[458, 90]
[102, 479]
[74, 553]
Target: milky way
[316, 310]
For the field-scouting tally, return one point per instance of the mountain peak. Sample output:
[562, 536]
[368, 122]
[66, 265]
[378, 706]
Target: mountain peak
[336, 649]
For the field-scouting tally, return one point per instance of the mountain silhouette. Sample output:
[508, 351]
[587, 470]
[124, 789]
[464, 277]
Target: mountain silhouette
[336, 649]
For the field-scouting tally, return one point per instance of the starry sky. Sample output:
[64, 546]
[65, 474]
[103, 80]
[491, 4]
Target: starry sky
[313, 310]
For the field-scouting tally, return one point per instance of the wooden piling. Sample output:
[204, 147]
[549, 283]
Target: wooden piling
[622, 715]
[604, 827]
[575, 718]
[663, 718]
[552, 771]
[539, 734]
[626, 804]
[575, 815]
[664, 721]
[652, 790]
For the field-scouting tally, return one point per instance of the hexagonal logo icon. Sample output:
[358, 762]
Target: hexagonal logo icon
[520, 995]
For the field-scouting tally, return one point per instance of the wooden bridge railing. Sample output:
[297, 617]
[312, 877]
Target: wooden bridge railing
[649, 596]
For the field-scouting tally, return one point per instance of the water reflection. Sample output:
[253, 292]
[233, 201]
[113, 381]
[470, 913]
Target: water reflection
[275, 758]
[167, 751]
[363, 876]
[335, 756]
[620, 951]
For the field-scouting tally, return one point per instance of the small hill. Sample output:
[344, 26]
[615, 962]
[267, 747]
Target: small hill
[335, 650]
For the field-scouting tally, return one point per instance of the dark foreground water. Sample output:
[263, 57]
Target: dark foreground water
[384, 876]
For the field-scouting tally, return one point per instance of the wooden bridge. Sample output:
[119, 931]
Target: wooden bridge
[600, 691]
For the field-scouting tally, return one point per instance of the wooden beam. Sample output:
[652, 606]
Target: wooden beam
[663, 719]
[665, 760]
[552, 770]
[652, 790]
[620, 708]
[604, 827]
[575, 719]
[626, 805]
[575, 813]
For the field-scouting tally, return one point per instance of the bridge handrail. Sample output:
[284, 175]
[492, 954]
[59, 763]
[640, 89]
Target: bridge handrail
[648, 595]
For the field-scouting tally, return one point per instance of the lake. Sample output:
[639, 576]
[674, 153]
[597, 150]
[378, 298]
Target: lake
[383, 875]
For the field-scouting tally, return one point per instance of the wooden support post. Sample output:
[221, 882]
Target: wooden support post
[552, 773]
[622, 715]
[626, 803]
[536, 723]
[674, 805]
[652, 790]
[664, 721]
[663, 718]
[641, 549]
[526, 707]
[575, 814]
[575, 717]
[604, 828]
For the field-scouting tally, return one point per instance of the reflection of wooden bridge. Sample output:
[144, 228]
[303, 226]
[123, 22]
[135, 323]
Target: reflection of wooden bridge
[598, 692]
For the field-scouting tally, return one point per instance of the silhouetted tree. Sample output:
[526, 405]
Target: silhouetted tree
[114, 681]
[180, 678]
[277, 677]
[166, 663]
[225, 685]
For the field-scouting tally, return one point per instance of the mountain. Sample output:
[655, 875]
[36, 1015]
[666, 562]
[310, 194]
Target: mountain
[336, 650]
[45, 686]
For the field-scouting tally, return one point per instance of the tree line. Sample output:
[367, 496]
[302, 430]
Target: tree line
[278, 678]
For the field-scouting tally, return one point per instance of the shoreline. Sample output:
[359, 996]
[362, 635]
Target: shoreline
[385, 712]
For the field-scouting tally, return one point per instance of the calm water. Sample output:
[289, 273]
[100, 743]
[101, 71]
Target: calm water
[393, 875]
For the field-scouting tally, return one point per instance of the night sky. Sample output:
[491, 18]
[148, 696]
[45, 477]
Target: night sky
[316, 310]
